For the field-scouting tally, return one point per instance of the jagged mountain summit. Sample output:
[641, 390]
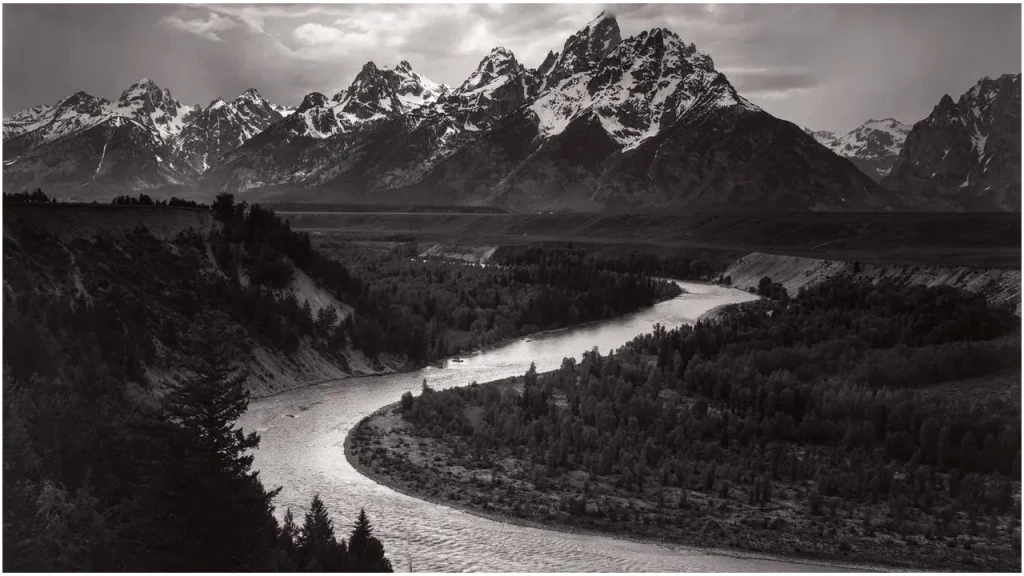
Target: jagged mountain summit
[146, 139]
[389, 127]
[873, 146]
[412, 88]
[143, 102]
[499, 85]
[645, 122]
[221, 127]
[582, 51]
[966, 154]
[154, 108]
[83, 139]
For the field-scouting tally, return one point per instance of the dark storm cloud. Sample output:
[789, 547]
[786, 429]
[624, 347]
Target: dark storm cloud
[823, 66]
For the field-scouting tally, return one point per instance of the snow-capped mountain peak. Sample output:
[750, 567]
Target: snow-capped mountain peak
[44, 124]
[140, 90]
[646, 83]
[283, 110]
[411, 88]
[370, 96]
[221, 127]
[27, 120]
[874, 139]
[152, 106]
[312, 100]
[873, 146]
[251, 95]
[252, 104]
[585, 48]
[499, 64]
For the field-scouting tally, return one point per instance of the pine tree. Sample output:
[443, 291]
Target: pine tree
[366, 551]
[289, 534]
[214, 514]
[530, 379]
[206, 409]
[316, 540]
[361, 533]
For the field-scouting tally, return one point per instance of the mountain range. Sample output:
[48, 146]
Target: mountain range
[605, 123]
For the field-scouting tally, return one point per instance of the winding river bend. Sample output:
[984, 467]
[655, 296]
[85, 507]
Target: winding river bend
[302, 450]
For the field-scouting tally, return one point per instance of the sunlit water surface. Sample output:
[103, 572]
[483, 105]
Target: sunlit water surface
[303, 433]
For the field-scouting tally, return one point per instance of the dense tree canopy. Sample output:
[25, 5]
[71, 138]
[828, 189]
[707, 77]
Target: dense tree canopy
[835, 386]
[634, 261]
[38, 196]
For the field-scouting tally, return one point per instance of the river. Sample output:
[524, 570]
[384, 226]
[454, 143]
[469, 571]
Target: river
[303, 433]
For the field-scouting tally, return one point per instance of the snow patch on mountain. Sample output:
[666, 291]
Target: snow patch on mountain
[26, 120]
[284, 111]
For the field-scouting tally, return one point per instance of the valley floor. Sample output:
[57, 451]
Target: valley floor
[915, 239]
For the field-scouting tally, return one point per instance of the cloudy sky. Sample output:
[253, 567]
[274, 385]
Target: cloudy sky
[822, 66]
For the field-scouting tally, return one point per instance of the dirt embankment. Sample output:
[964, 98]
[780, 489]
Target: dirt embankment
[999, 285]
[468, 254]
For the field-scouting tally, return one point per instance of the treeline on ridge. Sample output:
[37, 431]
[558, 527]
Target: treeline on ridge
[635, 261]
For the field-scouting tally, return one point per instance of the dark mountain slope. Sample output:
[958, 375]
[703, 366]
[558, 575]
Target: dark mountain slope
[966, 154]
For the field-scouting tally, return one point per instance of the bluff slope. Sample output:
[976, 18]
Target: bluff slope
[159, 275]
[999, 285]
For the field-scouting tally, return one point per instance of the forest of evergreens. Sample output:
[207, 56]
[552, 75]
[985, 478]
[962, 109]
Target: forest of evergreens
[822, 403]
[145, 200]
[95, 480]
[36, 197]
[633, 261]
[106, 471]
